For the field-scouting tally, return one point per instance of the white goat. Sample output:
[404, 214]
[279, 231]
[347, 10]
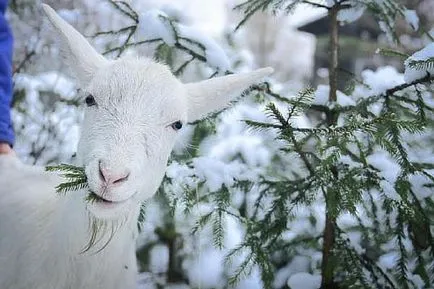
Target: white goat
[134, 109]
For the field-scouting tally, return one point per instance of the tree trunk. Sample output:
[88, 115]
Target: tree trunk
[328, 264]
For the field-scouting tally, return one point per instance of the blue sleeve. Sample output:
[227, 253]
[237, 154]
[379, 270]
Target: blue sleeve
[6, 40]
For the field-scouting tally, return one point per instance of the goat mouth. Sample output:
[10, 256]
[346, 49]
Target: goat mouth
[94, 198]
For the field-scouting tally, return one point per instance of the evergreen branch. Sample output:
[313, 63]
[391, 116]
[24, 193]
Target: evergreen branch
[419, 103]
[64, 168]
[353, 76]
[262, 125]
[191, 52]
[267, 269]
[420, 106]
[236, 216]
[386, 12]
[401, 154]
[123, 47]
[375, 217]
[422, 64]
[421, 271]
[76, 177]
[306, 93]
[127, 40]
[215, 73]
[391, 91]
[203, 220]
[180, 41]
[287, 130]
[115, 32]
[222, 200]
[364, 260]
[420, 227]
[302, 154]
[27, 57]
[266, 88]
[250, 10]
[249, 5]
[427, 34]
[134, 14]
[92, 197]
[301, 241]
[198, 44]
[234, 251]
[130, 14]
[393, 53]
[388, 93]
[320, 108]
[76, 180]
[277, 115]
[402, 267]
[262, 194]
[350, 258]
[368, 126]
[181, 69]
[316, 4]
[301, 103]
[71, 185]
[290, 7]
[431, 177]
[244, 269]
[142, 217]
[362, 105]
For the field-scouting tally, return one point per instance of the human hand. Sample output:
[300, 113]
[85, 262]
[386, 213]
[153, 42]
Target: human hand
[5, 149]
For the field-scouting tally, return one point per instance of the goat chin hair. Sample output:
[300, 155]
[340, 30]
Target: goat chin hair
[101, 232]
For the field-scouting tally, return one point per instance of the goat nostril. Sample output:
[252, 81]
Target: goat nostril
[109, 177]
[101, 173]
[123, 179]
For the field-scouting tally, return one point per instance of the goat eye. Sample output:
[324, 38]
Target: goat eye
[177, 125]
[90, 100]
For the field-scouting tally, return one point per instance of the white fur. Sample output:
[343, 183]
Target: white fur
[42, 234]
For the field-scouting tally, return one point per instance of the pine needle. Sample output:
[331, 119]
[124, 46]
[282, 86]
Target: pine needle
[76, 178]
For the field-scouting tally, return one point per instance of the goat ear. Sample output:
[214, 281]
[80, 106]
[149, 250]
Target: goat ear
[79, 54]
[215, 94]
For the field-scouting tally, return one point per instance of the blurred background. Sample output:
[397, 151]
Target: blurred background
[46, 113]
[295, 45]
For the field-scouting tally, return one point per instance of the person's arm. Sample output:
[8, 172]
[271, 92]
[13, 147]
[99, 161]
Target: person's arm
[7, 137]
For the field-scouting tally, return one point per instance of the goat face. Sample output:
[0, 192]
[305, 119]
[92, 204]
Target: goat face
[134, 111]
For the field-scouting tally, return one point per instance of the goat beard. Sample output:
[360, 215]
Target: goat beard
[101, 232]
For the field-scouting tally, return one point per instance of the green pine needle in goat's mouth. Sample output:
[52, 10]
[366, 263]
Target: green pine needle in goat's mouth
[92, 197]
[76, 179]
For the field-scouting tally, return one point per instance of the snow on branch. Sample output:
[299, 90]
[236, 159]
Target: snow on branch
[155, 26]
[420, 64]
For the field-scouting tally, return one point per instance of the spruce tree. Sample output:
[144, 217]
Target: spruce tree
[339, 155]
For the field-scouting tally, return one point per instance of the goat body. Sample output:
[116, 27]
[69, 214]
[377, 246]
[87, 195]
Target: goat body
[43, 236]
